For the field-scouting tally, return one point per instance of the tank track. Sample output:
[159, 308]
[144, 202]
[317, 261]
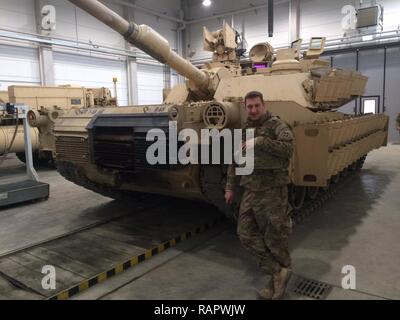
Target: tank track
[76, 175]
[212, 181]
[345, 176]
[37, 161]
[211, 177]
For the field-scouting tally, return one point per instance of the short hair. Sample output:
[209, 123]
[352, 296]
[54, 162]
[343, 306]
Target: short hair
[253, 95]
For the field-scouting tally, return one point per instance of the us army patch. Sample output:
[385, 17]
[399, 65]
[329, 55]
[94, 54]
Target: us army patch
[285, 135]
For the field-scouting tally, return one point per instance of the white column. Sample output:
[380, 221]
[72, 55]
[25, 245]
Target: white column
[45, 52]
[294, 20]
[133, 95]
[131, 64]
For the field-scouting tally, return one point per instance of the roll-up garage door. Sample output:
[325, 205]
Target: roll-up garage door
[150, 83]
[18, 66]
[91, 72]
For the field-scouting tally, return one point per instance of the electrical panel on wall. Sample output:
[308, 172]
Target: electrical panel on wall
[370, 17]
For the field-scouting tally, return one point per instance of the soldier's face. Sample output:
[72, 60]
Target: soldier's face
[255, 108]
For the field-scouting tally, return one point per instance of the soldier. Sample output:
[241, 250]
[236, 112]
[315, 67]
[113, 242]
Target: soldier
[264, 223]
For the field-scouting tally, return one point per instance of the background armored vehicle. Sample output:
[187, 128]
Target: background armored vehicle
[46, 105]
[104, 149]
[3, 96]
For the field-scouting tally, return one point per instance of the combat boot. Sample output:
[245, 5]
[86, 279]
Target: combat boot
[280, 281]
[267, 292]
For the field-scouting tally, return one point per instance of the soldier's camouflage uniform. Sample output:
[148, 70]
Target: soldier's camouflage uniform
[264, 222]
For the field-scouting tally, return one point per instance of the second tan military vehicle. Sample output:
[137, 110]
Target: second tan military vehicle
[3, 96]
[46, 104]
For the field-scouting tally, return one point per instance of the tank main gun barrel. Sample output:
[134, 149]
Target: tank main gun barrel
[146, 39]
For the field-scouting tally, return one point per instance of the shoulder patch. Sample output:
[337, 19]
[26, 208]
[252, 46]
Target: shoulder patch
[285, 134]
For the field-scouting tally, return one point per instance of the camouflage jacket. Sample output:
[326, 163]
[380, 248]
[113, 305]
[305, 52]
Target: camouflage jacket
[272, 152]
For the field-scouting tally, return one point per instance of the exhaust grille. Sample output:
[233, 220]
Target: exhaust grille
[72, 149]
[119, 141]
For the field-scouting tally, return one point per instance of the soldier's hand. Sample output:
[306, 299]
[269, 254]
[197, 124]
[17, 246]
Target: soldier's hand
[229, 197]
[249, 144]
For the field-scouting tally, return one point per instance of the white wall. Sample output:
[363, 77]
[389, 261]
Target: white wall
[18, 66]
[91, 72]
[371, 64]
[150, 84]
[74, 23]
[392, 90]
[321, 18]
[169, 7]
[197, 11]
[325, 17]
[255, 23]
[317, 18]
[17, 15]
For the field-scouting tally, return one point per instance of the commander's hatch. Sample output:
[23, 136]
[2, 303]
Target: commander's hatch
[316, 48]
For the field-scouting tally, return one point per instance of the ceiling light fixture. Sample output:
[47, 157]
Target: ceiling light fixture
[206, 3]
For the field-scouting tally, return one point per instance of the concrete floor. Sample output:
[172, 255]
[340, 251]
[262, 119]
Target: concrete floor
[68, 208]
[358, 227]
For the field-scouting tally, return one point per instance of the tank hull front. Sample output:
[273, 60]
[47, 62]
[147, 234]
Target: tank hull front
[113, 153]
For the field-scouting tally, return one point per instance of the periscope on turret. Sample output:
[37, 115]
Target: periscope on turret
[105, 150]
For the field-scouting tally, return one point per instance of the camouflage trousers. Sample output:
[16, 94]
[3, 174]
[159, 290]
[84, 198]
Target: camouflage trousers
[264, 225]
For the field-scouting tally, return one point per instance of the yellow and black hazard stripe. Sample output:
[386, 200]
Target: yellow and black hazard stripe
[121, 267]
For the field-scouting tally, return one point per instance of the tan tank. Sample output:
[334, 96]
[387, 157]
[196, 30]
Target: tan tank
[46, 105]
[104, 149]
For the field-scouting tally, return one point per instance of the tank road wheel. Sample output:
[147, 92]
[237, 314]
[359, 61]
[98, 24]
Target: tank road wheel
[297, 195]
[328, 185]
[335, 179]
[37, 161]
[360, 163]
[353, 166]
[312, 193]
[344, 172]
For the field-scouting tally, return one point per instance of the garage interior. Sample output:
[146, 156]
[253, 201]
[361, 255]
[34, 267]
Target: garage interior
[48, 43]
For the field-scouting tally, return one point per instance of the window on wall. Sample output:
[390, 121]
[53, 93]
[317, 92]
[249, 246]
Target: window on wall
[370, 104]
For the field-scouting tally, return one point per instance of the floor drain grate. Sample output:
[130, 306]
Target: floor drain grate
[311, 288]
